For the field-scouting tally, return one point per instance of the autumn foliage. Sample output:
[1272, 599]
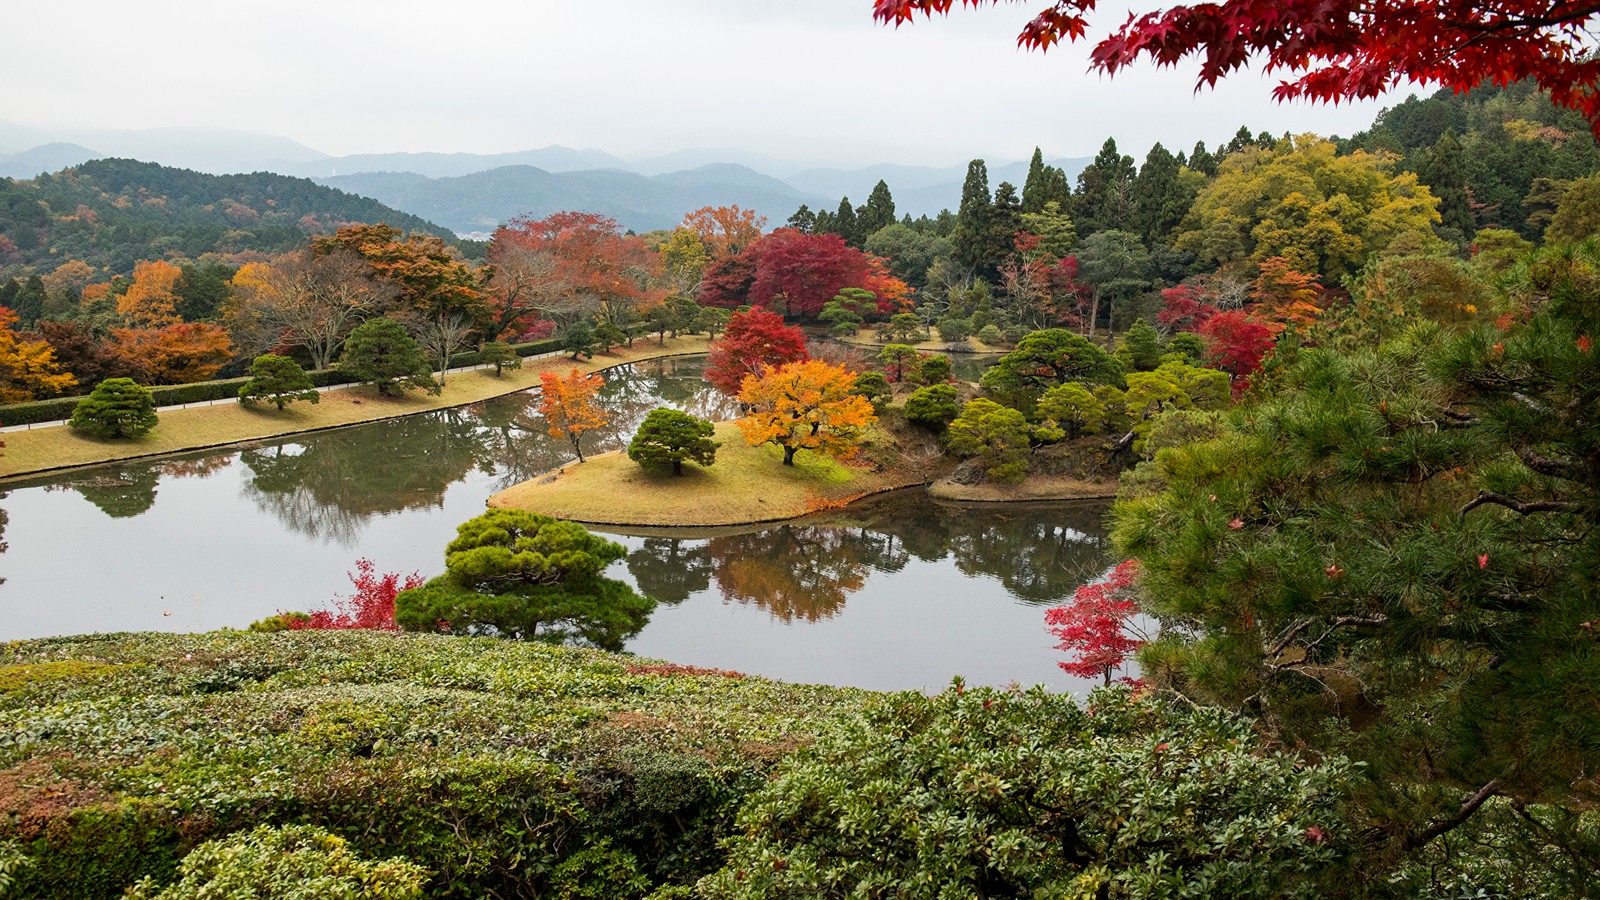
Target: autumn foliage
[569, 408]
[753, 341]
[178, 353]
[28, 369]
[1094, 625]
[725, 231]
[1346, 49]
[808, 405]
[370, 607]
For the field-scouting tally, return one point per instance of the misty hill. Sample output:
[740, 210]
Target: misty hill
[116, 212]
[214, 150]
[554, 158]
[482, 200]
[45, 158]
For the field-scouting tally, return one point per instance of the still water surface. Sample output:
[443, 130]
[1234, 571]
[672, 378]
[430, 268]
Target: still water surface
[896, 593]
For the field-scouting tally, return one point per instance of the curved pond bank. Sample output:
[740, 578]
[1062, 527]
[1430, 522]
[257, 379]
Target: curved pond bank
[204, 427]
[898, 592]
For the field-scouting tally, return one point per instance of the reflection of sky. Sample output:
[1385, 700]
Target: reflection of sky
[216, 551]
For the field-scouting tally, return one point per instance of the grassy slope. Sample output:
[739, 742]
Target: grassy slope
[464, 754]
[746, 484]
[206, 426]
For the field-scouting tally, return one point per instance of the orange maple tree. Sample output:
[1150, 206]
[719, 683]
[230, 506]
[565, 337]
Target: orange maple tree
[808, 405]
[152, 300]
[560, 266]
[180, 353]
[568, 406]
[1283, 296]
[1347, 49]
[725, 230]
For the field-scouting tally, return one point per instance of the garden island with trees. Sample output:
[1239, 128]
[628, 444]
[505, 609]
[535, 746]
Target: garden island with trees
[1343, 392]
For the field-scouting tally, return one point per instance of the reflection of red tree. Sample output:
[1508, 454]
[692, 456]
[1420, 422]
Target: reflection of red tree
[793, 572]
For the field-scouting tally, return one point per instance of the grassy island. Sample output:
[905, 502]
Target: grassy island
[60, 447]
[745, 485]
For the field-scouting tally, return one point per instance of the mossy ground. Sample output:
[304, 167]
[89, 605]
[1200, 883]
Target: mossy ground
[57, 447]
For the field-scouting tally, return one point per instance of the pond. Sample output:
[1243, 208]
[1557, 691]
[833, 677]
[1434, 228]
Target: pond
[899, 592]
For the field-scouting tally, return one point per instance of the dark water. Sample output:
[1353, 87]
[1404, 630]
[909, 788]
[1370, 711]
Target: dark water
[897, 593]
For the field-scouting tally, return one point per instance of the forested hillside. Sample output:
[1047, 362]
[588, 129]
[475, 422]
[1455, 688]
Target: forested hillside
[114, 213]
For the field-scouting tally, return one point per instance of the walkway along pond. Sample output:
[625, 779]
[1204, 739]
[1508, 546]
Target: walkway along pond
[897, 592]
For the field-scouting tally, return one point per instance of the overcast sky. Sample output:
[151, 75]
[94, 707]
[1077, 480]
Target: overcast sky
[811, 80]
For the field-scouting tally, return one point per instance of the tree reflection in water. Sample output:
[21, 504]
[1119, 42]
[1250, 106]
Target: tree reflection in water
[328, 486]
[806, 571]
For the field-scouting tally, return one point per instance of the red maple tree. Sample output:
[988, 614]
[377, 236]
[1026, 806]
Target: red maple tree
[1095, 626]
[805, 271]
[371, 606]
[1236, 343]
[1184, 307]
[1346, 49]
[753, 341]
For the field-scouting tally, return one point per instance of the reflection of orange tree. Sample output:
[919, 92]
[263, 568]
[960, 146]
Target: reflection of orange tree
[802, 572]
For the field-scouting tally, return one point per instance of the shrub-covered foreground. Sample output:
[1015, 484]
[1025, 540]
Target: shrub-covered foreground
[491, 768]
[505, 769]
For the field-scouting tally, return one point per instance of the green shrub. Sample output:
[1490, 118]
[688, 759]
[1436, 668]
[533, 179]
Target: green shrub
[989, 793]
[670, 438]
[527, 576]
[599, 872]
[117, 407]
[935, 369]
[279, 380]
[932, 407]
[874, 386]
[296, 862]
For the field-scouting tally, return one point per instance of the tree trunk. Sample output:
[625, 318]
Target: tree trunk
[577, 447]
[788, 455]
[677, 467]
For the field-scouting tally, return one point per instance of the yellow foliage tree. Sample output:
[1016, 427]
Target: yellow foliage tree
[568, 406]
[28, 369]
[151, 301]
[809, 405]
[1323, 213]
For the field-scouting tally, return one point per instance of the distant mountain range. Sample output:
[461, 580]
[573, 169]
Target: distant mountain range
[472, 193]
[114, 213]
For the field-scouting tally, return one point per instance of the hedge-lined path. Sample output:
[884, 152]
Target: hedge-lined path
[196, 427]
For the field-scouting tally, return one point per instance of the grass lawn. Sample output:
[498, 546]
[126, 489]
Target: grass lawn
[746, 484]
[42, 449]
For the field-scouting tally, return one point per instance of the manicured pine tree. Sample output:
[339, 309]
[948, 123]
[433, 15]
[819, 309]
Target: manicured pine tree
[117, 407]
[670, 437]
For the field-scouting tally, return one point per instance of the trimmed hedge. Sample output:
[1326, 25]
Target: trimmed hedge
[507, 769]
[60, 408]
